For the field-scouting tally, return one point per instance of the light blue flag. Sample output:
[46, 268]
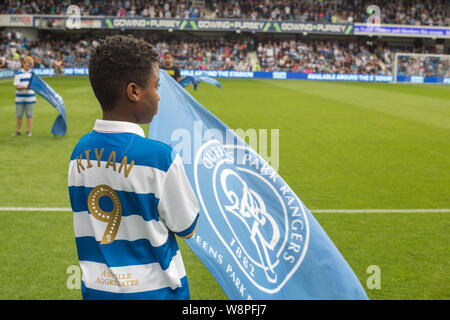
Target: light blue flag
[59, 127]
[195, 80]
[255, 235]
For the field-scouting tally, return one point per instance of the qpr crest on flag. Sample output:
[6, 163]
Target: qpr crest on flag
[256, 238]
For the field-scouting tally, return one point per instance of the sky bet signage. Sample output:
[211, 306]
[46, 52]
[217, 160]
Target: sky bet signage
[226, 25]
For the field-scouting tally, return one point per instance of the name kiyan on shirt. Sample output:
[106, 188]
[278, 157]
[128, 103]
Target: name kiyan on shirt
[111, 163]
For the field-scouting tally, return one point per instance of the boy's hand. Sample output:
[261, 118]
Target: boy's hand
[21, 87]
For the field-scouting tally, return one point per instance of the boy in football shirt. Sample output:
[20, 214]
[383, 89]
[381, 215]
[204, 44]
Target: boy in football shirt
[130, 195]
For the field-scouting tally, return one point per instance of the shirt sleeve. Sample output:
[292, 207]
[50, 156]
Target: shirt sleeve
[178, 207]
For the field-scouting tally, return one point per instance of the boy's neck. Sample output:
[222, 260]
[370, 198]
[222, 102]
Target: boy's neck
[113, 116]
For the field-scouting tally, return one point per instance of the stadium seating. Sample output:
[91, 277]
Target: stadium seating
[307, 55]
[424, 12]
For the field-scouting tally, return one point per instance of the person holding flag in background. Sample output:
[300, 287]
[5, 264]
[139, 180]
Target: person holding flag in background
[170, 68]
[25, 97]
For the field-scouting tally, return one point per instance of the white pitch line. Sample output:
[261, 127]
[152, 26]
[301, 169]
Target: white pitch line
[380, 210]
[34, 209]
[443, 210]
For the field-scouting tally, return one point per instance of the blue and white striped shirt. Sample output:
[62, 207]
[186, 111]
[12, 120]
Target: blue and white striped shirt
[130, 196]
[22, 78]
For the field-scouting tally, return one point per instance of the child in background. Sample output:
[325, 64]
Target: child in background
[25, 98]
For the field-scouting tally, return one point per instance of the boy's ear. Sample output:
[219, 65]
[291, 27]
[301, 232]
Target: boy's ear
[133, 92]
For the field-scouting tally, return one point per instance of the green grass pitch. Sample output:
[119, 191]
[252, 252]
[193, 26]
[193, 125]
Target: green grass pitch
[342, 146]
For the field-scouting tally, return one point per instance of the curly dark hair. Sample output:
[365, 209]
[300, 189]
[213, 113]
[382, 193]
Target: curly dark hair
[117, 61]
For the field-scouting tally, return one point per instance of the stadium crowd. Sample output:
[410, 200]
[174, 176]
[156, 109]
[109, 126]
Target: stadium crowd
[417, 12]
[425, 12]
[318, 56]
[120, 8]
[47, 53]
[306, 55]
[424, 66]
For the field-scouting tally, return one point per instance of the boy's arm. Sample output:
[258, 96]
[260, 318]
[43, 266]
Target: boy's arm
[178, 207]
[17, 82]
